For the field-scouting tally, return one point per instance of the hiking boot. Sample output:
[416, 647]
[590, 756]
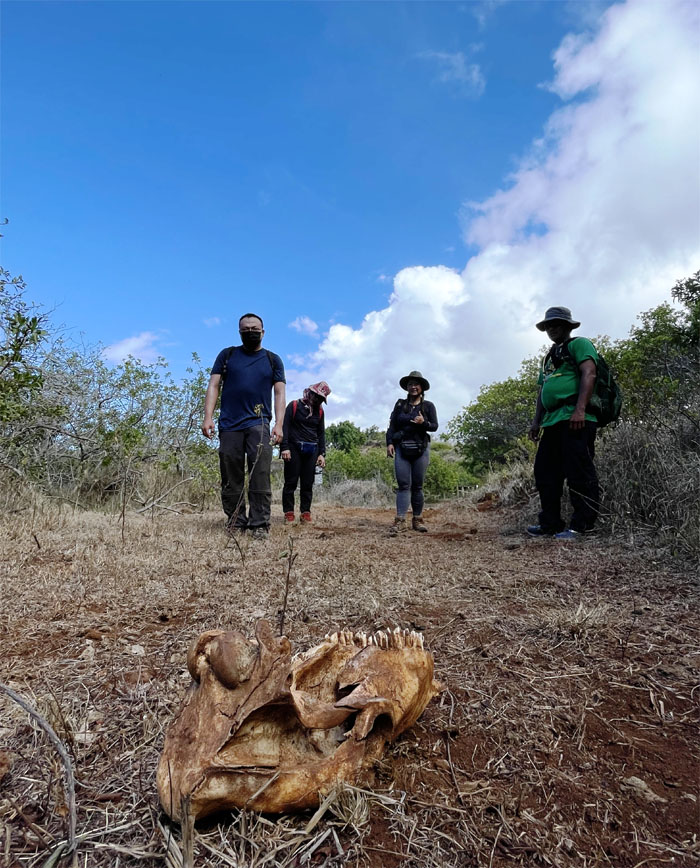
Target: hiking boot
[288, 517]
[418, 524]
[259, 533]
[399, 526]
[305, 518]
[538, 530]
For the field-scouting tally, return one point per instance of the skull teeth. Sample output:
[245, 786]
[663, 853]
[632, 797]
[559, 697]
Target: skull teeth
[385, 639]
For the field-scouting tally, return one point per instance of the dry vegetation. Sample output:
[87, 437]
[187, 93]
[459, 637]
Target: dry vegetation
[566, 736]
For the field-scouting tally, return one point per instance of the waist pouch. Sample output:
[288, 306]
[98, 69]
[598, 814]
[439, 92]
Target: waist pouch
[307, 448]
[412, 448]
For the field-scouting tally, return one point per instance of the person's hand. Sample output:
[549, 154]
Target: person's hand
[418, 419]
[208, 428]
[577, 420]
[390, 450]
[276, 435]
[321, 461]
[534, 432]
[286, 455]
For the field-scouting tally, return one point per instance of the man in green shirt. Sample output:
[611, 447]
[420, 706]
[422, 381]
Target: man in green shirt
[565, 430]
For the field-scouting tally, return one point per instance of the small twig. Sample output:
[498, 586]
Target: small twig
[262, 789]
[291, 557]
[38, 831]
[62, 752]
[626, 638]
[156, 501]
[187, 826]
[452, 769]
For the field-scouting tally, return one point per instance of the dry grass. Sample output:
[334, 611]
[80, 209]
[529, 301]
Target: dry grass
[570, 673]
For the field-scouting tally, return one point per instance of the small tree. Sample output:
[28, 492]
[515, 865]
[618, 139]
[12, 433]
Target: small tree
[344, 436]
[22, 330]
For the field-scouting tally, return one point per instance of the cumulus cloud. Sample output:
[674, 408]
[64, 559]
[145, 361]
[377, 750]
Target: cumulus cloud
[140, 346]
[455, 68]
[212, 321]
[602, 215]
[304, 325]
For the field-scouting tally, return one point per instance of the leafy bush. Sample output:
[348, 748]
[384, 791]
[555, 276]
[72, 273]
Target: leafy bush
[442, 478]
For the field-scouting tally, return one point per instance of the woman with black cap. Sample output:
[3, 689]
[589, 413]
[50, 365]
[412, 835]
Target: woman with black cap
[408, 443]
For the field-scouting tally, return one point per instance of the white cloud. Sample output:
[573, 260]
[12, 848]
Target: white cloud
[140, 346]
[483, 10]
[304, 325]
[212, 321]
[454, 68]
[602, 215]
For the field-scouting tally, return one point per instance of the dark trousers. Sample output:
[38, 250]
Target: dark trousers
[300, 467]
[235, 447]
[566, 454]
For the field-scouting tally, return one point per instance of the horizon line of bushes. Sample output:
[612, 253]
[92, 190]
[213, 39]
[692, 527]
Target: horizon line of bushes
[82, 431]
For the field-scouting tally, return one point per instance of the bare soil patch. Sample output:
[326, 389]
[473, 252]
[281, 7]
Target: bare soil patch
[567, 734]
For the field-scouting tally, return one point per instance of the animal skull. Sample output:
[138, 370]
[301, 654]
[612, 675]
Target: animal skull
[260, 730]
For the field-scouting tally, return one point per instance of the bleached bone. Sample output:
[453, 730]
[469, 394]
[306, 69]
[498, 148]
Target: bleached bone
[260, 730]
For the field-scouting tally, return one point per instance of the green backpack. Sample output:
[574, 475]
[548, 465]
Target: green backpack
[606, 400]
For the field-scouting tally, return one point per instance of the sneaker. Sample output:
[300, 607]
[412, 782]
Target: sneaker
[288, 517]
[418, 524]
[399, 526]
[305, 518]
[569, 533]
[259, 533]
[538, 530]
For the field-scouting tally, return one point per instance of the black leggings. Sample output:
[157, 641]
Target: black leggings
[301, 466]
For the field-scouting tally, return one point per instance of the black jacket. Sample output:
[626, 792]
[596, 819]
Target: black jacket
[400, 421]
[303, 427]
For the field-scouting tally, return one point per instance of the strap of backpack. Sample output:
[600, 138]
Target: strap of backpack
[565, 352]
[229, 353]
[294, 409]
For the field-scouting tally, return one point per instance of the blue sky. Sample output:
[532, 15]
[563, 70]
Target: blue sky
[380, 181]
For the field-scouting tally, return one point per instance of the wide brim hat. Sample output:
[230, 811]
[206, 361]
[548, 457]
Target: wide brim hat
[321, 389]
[414, 375]
[558, 314]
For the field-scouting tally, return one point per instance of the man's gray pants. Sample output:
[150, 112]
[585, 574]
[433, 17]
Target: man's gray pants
[235, 447]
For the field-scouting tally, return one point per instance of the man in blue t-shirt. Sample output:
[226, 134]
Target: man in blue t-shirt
[246, 376]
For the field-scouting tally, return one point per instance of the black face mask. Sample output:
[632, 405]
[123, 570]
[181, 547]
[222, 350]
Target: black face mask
[251, 340]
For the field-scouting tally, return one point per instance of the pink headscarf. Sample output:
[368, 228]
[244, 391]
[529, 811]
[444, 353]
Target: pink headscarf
[322, 389]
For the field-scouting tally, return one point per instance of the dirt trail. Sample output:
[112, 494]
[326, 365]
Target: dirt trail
[567, 734]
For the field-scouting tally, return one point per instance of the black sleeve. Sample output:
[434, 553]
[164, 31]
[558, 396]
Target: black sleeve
[219, 363]
[277, 369]
[286, 426]
[391, 430]
[430, 416]
[322, 435]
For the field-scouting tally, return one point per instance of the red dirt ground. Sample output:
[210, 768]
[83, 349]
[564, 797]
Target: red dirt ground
[567, 734]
